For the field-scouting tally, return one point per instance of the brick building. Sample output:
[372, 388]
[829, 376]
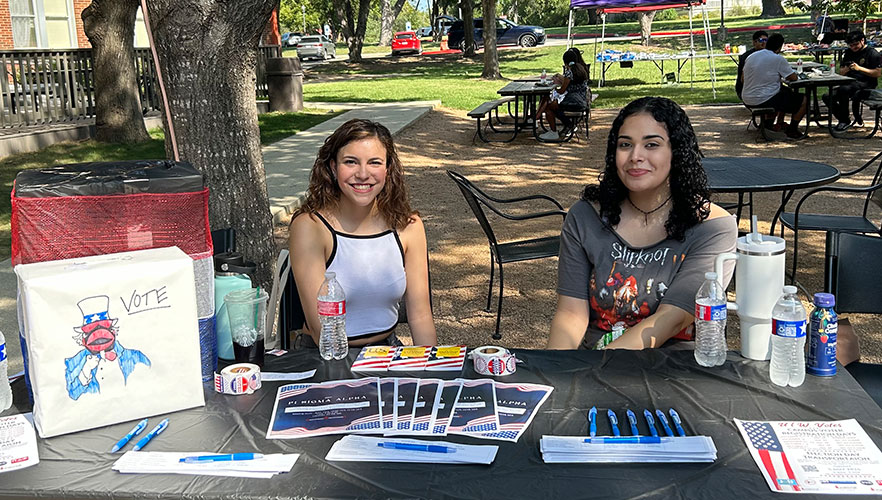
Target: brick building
[58, 24]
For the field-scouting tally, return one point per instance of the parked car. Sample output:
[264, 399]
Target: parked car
[316, 46]
[424, 32]
[507, 33]
[444, 22]
[290, 39]
[406, 42]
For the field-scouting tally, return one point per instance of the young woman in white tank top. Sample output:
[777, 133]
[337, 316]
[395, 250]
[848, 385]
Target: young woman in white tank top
[357, 221]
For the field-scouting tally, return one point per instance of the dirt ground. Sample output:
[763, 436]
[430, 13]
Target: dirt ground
[459, 254]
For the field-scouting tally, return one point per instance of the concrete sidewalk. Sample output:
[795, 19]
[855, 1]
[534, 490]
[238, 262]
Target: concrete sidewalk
[287, 163]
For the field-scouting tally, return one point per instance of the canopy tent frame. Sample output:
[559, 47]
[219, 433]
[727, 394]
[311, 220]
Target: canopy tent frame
[643, 5]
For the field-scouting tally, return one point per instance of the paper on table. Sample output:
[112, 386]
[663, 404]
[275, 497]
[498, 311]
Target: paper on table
[273, 376]
[18, 442]
[354, 448]
[158, 462]
[814, 457]
[571, 449]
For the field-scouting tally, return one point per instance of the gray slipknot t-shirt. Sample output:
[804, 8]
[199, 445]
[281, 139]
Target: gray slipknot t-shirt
[626, 283]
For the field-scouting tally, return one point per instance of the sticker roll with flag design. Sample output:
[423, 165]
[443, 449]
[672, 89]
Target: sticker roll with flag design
[240, 378]
[492, 360]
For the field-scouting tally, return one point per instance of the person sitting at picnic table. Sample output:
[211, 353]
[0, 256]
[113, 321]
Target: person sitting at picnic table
[635, 248]
[862, 63]
[573, 87]
[358, 223]
[759, 43]
[763, 71]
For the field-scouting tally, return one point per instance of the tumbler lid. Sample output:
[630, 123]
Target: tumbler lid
[762, 245]
[233, 263]
[824, 299]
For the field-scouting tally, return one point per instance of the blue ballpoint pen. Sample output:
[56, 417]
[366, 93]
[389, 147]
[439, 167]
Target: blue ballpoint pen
[663, 420]
[592, 421]
[651, 422]
[632, 419]
[678, 424]
[431, 448]
[613, 422]
[221, 458]
[624, 440]
[150, 435]
[134, 432]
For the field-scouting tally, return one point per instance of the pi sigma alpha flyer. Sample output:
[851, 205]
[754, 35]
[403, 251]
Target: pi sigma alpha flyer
[341, 406]
[835, 457]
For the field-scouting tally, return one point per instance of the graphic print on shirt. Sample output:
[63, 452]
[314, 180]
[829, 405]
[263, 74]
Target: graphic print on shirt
[631, 289]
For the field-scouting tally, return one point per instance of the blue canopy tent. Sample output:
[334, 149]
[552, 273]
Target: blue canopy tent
[610, 6]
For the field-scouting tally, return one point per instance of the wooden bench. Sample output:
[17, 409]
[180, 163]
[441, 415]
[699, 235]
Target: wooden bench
[486, 109]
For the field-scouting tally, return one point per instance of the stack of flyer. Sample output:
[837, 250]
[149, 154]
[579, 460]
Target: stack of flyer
[395, 406]
[582, 449]
[372, 449]
[410, 358]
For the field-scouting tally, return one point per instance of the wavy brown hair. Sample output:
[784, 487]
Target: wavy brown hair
[393, 202]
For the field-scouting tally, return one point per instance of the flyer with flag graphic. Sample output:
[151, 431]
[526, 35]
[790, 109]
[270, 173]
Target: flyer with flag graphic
[833, 457]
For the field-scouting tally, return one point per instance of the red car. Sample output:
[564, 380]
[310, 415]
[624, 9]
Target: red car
[406, 42]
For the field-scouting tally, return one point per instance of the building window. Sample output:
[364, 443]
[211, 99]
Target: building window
[43, 24]
[24, 30]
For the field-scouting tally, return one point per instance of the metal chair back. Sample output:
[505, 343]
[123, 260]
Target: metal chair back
[856, 285]
[475, 198]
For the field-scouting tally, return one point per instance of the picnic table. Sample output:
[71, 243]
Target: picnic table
[811, 84]
[522, 95]
[79, 465]
[658, 60]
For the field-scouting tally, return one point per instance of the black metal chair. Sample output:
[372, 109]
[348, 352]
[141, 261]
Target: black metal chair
[858, 289]
[512, 251]
[833, 224]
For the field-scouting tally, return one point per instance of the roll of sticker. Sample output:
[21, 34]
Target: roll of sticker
[240, 378]
[492, 360]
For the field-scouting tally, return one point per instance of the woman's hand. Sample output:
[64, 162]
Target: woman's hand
[655, 329]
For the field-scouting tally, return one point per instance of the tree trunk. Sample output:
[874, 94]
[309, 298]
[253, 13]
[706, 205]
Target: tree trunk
[468, 19]
[436, 30]
[592, 16]
[110, 26]
[212, 100]
[772, 8]
[388, 14]
[353, 29]
[491, 55]
[514, 12]
[645, 19]
[340, 11]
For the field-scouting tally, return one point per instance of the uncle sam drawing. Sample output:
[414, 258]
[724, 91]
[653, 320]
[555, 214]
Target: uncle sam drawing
[102, 360]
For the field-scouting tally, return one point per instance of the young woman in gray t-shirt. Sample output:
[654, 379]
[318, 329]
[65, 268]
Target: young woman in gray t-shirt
[635, 249]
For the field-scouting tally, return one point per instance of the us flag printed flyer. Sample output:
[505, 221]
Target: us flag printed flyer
[833, 457]
[337, 407]
[475, 410]
[516, 405]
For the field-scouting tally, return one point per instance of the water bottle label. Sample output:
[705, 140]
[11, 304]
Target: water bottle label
[3, 352]
[331, 308]
[789, 329]
[710, 313]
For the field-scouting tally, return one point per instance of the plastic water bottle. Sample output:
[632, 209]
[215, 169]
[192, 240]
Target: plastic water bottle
[788, 340]
[710, 322]
[544, 79]
[799, 66]
[333, 343]
[5, 391]
[832, 67]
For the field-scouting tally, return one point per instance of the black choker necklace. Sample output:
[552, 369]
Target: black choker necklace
[645, 213]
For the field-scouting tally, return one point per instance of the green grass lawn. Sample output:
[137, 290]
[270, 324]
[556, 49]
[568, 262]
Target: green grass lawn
[273, 127]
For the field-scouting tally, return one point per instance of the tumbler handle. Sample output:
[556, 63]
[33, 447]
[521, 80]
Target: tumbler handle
[718, 268]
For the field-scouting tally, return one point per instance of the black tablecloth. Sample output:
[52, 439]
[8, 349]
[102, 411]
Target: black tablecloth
[79, 465]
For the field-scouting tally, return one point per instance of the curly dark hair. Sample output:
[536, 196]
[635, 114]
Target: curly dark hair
[392, 202]
[689, 194]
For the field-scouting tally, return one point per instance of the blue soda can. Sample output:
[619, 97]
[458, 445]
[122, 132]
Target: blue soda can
[823, 326]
